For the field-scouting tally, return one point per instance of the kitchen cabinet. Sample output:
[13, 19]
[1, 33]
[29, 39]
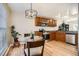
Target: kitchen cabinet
[69, 36]
[38, 21]
[76, 40]
[52, 35]
[60, 36]
[37, 33]
[43, 21]
[52, 23]
[45, 35]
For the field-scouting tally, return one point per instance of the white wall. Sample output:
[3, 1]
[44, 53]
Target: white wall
[45, 9]
[24, 25]
[73, 23]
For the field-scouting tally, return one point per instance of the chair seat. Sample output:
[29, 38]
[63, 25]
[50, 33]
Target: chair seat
[34, 51]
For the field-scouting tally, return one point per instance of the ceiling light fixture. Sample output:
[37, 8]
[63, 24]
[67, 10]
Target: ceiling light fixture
[30, 13]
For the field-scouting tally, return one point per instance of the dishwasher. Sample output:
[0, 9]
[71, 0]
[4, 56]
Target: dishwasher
[70, 38]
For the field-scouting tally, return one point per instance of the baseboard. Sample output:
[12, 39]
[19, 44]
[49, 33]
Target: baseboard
[71, 44]
[7, 50]
[3, 51]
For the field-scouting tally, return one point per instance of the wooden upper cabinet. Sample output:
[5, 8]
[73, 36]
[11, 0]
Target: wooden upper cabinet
[39, 21]
[52, 23]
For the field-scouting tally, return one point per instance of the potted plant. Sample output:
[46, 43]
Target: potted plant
[14, 34]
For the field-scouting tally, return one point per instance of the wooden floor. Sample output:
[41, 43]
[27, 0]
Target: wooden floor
[52, 48]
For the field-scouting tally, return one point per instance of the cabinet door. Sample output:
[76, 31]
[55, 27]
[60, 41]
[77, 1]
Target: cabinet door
[52, 35]
[50, 22]
[54, 22]
[37, 21]
[60, 36]
[76, 40]
[38, 33]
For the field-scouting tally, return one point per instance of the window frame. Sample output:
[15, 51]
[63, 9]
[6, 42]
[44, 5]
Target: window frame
[3, 28]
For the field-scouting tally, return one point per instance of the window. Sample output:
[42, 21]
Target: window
[3, 41]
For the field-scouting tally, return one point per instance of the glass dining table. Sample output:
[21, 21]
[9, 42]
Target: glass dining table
[24, 40]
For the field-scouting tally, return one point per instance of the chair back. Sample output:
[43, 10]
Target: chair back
[35, 44]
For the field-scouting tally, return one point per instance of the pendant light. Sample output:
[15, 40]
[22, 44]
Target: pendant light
[30, 13]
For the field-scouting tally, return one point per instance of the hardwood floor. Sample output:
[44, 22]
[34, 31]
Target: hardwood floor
[52, 48]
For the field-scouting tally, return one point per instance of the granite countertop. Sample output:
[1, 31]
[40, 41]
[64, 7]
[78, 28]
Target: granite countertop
[71, 32]
[67, 32]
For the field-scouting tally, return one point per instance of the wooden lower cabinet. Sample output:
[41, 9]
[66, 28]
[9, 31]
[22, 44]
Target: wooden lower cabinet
[37, 33]
[60, 36]
[76, 40]
[52, 35]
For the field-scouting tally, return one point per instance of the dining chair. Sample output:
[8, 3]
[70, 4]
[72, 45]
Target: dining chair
[34, 48]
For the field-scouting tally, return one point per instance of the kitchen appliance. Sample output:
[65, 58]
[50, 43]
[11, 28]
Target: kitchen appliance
[64, 27]
[45, 35]
[70, 38]
[41, 30]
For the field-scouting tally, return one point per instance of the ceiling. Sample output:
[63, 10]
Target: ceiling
[45, 9]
